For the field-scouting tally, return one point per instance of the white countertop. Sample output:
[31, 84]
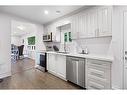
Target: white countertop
[90, 56]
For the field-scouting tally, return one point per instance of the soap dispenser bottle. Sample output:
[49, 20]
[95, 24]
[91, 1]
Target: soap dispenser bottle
[86, 50]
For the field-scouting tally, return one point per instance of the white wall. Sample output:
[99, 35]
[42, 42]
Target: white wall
[5, 46]
[5, 42]
[117, 40]
[39, 41]
[16, 40]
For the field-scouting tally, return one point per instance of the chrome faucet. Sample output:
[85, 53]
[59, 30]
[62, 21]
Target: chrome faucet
[65, 47]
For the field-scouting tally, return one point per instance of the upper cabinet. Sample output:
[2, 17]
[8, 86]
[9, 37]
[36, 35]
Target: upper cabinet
[94, 22]
[105, 21]
[91, 23]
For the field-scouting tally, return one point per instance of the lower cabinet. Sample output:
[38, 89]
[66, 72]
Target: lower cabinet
[87, 73]
[56, 64]
[125, 77]
[98, 74]
[125, 74]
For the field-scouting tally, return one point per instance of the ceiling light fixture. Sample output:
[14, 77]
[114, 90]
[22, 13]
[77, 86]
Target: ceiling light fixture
[46, 12]
[21, 27]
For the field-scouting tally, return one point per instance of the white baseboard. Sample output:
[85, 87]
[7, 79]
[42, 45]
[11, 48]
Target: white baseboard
[7, 74]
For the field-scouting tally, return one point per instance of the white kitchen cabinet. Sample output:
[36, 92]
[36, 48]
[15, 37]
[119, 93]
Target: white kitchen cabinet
[91, 21]
[79, 25]
[94, 22]
[61, 66]
[105, 21]
[75, 26]
[98, 74]
[125, 77]
[51, 63]
[56, 64]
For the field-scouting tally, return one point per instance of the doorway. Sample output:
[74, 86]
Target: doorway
[23, 36]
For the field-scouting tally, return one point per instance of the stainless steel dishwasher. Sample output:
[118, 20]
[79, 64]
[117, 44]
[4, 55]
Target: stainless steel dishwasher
[76, 70]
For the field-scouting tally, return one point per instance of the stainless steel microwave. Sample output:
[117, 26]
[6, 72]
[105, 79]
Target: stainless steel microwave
[47, 37]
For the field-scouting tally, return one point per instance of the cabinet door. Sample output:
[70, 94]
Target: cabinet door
[51, 63]
[82, 25]
[104, 21]
[125, 77]
[91, 21]
[125, 30]
[74, 27]
[61, 66]
[81, 72]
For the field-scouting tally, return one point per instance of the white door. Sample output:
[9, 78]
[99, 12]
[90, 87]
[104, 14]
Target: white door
[105, 21]
[61, 66]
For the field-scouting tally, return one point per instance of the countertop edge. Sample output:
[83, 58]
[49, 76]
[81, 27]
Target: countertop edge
[97, 57]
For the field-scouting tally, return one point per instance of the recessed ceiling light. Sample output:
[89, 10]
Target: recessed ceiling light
[57, 12]
[21, 27]
[46, 12]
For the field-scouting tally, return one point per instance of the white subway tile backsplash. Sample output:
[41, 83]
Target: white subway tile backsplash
[100, 46]
[95, 45]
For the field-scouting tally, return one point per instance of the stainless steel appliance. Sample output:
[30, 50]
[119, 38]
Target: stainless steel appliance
[42, 62]
[47, 37]
[76, 70]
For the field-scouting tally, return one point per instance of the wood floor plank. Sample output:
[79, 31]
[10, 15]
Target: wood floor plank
[25, 76]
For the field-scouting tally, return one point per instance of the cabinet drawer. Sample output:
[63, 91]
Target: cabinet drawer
[98, 63]
[94, 85]
[99, 73]
[97, 84]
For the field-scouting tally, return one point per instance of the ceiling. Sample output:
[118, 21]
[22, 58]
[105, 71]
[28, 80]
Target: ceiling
[22, 28]
[36, 13]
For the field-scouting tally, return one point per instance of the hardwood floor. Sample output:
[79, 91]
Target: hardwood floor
[22, 65]
[25, 76]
